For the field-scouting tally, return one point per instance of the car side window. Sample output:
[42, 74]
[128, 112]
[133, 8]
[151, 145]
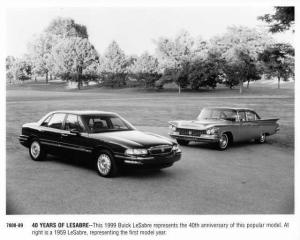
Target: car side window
[97, 124]
[250, 116]
[46, 121]
[242, 116]
[229, 115]
[57, 120]
[81, 125]
[73, 123]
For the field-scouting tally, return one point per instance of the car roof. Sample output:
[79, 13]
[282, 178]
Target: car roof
[83, 112]
[231, 108]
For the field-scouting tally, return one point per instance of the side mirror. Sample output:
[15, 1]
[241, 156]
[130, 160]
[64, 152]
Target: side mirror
[75, 132]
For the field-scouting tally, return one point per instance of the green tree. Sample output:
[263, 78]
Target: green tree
[22, 69]
[40, 49]
[146, 69]
[173, 55]
[283, 19]
[66, 28]
[73, 56]
[10, 68]
[113, 66]
[242, 67]
[206, 72]
[278, 61]
[41, 56]
[240, 47]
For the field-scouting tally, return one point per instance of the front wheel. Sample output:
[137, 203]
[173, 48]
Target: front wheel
[183, 142]
[36, 151]
[223, 142]
[106, 165]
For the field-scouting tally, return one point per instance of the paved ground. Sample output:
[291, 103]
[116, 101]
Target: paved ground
[247, 179]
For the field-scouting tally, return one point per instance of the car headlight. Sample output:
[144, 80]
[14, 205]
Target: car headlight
[175, 148]
[212, 131]
[138, 151]
[172, 128]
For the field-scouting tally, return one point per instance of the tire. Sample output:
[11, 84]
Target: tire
[261, 139]
[223, 142]
[105, 164]
[182, 142]
[36, 151]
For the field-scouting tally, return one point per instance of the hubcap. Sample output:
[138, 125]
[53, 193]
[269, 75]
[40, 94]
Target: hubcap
[262, 137]
[223, 141]
[104, 164]
[35, 149]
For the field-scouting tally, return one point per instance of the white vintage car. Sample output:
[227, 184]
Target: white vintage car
[223, 126]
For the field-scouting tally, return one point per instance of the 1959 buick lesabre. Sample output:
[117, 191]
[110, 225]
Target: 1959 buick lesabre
[104, 136]
[223, 126]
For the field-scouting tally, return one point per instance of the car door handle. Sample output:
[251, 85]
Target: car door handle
[64, 134]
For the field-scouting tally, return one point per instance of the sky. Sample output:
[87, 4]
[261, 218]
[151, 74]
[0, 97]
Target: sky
[134, 28]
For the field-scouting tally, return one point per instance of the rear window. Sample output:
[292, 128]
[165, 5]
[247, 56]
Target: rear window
[251, 116]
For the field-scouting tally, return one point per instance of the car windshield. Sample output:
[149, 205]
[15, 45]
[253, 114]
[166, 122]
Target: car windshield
[106, 123]
[217, 113]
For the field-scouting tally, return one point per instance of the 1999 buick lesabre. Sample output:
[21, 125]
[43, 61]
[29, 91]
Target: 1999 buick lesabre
[106, 137]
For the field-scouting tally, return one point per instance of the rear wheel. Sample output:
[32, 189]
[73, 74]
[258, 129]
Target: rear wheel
[183, 142]
[223, 142]
[36, 151]
[105, 164]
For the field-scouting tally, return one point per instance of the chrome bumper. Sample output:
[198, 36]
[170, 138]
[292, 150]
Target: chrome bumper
[150, 160]
[202, 138]
[23, 139]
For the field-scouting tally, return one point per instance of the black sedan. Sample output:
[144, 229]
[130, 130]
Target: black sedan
[103, 136]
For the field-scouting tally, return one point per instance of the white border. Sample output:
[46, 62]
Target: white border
[292, 233]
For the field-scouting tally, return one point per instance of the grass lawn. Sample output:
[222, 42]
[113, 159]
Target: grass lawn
[29, 102]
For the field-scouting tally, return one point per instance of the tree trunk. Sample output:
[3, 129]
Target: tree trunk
[278, 82]
[35, 79]
[179, 89]
[79, 74]
[46, 77]
[241, 86]
[78, 81]
[50, 76]
[248, 83]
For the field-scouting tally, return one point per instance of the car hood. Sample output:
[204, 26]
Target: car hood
[133, 138]
[199, 124]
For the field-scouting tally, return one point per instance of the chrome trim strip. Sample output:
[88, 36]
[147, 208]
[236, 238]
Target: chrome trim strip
[133, 162]
[76, 148]
[25, 137]
[133, 157]
[190, 136]
[68, 147]
[48, 141]
[51, 144]
[62, 143]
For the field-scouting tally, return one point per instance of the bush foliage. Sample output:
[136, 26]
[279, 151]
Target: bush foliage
[240, 55]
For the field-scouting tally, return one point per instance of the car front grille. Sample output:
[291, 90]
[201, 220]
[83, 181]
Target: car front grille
[191, 132]
[160, 150]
